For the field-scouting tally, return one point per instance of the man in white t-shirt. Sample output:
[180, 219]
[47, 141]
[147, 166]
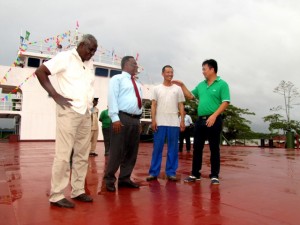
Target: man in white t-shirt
[167, 100]
[75, 77]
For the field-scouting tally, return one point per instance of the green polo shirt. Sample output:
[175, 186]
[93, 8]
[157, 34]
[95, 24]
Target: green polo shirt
[211, 97]
[105, 119]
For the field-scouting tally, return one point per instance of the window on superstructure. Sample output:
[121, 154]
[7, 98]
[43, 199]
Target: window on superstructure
[33, 62]
[101, 72]
[115, 72]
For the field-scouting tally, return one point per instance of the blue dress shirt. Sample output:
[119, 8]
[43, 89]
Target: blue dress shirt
[121, 96]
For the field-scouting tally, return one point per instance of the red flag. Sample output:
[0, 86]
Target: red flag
[137, 57]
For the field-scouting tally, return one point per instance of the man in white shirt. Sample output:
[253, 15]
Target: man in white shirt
[167, 100]
[74, 72]
[186, 134]
[94, 127]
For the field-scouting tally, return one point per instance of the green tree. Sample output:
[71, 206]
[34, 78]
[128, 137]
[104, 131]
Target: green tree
[192, 106]
[276, 123]
[235, 125]
[290, 93]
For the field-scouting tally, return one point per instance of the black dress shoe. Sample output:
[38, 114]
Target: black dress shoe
[83, 198]
[110, 187]
[63, 203]
[129, 184]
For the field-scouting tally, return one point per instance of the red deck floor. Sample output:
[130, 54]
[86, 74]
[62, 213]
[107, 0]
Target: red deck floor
[258, 186]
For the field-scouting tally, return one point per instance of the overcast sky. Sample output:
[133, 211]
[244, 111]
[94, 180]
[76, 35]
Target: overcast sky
[255, 42]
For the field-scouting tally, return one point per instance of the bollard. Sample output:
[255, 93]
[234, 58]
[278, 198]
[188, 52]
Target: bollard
[262, 142]
[290, 139]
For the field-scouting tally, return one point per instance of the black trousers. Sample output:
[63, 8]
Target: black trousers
[212, 134]
[106, 136]
[186, 134]
[123, 149]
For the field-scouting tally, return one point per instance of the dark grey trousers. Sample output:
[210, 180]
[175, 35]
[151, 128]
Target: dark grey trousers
[123, 149]
[106, 136]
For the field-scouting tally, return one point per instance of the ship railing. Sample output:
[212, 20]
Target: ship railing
[98, 57]
[14, 104]
[146, 114]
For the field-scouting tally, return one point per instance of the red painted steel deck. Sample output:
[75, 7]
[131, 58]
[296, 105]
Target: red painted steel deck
[258, 186]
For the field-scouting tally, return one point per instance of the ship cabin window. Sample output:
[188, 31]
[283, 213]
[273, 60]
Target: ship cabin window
[101, 72]
[33, 62]
[115, 72]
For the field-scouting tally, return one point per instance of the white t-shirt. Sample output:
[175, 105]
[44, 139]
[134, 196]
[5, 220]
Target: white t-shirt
[167, 99]
[187, 120]
[75, 79]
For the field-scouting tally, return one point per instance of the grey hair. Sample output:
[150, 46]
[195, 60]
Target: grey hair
[87, 39]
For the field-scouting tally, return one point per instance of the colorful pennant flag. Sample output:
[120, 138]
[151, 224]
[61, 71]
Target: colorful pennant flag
[27, 35]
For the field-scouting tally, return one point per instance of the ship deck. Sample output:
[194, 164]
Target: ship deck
[258, 186]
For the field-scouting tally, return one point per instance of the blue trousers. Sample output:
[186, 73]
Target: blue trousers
[172, 135]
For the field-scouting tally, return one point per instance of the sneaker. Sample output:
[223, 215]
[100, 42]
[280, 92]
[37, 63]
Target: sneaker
[150, 178]
[215, 180]
[172, 178]
[191, 179]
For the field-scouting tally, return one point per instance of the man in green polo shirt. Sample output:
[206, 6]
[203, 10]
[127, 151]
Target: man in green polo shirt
[214, 97]
[106, 121]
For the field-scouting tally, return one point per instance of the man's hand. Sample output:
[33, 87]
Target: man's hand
[177, 82]
[62, 101]
[154, 126]
[211, 121]
[117, 126]
[182, 126]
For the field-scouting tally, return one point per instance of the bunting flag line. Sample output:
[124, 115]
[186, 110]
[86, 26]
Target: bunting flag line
[52, 45]
[15, 90]
[4, 79]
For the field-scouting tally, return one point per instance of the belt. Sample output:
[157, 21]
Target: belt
[204, 117]
[131, 115]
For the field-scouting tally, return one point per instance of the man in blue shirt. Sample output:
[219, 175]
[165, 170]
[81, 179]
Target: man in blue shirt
[124, 104]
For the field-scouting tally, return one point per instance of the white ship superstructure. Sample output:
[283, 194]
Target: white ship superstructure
[26, 105]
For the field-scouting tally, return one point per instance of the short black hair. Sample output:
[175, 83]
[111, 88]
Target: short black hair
[166, 66]
[125, 59]
[211, 64]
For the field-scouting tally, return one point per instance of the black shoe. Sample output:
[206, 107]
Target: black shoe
[110, 187]
[63, 203]
[93, 154]
[83, 198]
[129, 184]
[172, 178]
[150, 178]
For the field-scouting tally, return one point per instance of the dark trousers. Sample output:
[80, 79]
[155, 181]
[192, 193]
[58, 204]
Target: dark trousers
[123, 149]
[106, 136]
[186, 134]
[212, 134]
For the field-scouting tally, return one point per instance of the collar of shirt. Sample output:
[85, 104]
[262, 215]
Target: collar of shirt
[216, 80]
